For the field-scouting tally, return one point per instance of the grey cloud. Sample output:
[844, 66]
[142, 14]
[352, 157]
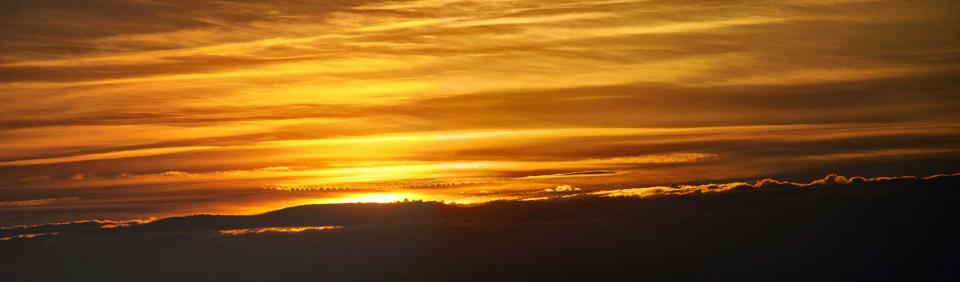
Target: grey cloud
[188, 116]
[880, 100]
[170, 65]
[49, 27]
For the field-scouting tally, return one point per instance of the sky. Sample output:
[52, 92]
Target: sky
[129, 109]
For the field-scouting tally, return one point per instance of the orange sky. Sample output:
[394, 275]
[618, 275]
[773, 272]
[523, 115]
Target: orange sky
[134, 108]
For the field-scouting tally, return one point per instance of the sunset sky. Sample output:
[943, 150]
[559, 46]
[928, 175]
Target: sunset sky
[130, 109]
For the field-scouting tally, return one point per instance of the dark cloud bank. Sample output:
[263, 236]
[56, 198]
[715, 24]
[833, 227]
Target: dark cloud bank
[834, 229]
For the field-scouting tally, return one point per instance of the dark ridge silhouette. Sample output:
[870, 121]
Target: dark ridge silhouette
[836, 229]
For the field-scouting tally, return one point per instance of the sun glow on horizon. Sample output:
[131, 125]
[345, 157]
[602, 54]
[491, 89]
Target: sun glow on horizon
[381, 198]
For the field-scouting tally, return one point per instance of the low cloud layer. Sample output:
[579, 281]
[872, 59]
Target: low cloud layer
[830, 183]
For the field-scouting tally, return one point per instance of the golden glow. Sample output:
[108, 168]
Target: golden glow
[29, 236]
[243, 107]
[375, 198]
[296, 229]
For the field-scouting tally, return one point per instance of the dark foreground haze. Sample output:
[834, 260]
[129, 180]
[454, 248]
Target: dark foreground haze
[898, 229]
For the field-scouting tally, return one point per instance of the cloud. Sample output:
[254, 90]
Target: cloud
[52, 31]
[832, 181]
[262, 230]
[34, 202]
[562, 189]
[103, 156]
[51, 229]
[29, 236]
[466, 166]
[321, 217]
[591, 173]
[144, 101]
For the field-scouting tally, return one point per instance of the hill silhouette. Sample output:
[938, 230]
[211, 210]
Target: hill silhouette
[891, 229]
